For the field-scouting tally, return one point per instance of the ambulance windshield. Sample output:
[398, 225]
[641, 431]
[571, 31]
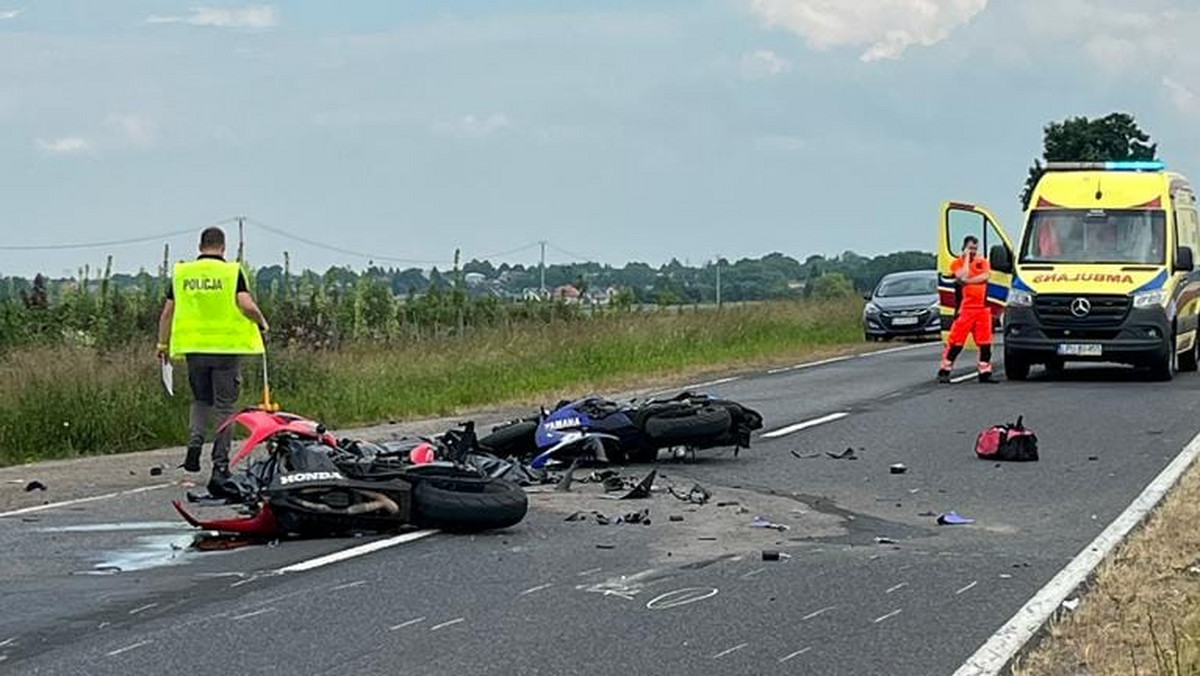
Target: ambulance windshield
[1131, 236]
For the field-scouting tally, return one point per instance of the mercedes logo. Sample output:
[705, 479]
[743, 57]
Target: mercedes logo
[1080, 307]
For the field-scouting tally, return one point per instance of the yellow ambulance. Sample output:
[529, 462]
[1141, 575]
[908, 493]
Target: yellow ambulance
[1103, 271]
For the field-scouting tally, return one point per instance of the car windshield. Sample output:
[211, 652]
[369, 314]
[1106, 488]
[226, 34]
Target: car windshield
[907, 286]
[1095, 236]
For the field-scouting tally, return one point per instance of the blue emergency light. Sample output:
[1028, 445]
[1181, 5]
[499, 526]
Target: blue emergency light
[1119, 165]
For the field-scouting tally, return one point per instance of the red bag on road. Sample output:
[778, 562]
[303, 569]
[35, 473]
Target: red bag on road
[1007, 442]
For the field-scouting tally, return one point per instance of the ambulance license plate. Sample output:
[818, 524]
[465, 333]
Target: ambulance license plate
[1080, 349]
[904, 321]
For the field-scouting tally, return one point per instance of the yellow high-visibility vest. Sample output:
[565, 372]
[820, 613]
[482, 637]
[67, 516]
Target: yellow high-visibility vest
[207, 318]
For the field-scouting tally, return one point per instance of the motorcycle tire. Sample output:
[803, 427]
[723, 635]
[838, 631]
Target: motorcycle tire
[467, 504]
[680, 426]
[513, 439]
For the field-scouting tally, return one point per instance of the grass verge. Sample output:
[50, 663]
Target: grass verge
[1141, 615]
[75, 401]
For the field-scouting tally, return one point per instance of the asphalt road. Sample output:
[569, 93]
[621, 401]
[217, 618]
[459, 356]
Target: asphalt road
[556, 597]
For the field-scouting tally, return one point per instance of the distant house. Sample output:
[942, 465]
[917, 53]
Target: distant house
[566, 293]
[601, 296]
[474, 278]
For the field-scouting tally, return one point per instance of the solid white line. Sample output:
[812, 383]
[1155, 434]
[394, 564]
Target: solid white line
[139, 609]
[896, 588]
[126, 649]
[966, 588]
[356, 551]
[7, 641]
[996, 653]
[79, 501]
[536, 589]
[719, 381]
[406, 624]
[589, 572]
[254, 613]
[902, 348]
[447, 624]
[818, 612]
[811, 364]
[349, 585]
[795, 654]
[806, 424]
[734, 649]
[884, 617]
[963, 378]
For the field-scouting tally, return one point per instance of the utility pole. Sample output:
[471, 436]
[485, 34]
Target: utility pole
[241, 255]
[542, 266]
[718, 282]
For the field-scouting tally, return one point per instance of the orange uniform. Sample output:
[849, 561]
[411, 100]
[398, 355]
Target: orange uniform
[974, 317]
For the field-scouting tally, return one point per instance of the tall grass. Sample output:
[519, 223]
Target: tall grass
[72, 400]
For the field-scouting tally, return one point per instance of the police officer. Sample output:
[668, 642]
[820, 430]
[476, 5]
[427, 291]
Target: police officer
[210, 319]
[971, 272]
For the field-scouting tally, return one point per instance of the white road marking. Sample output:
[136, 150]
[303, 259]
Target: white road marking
[727, 651]
[752, 573]
[862, 355]
[818, 612]
[349, 585]
[798, 653]
[253, 613]
[963, 378]
[681, 597]
[998, 651]
[447, 624]
[7, 641]
[356, 551]
[885, 617]
[896, 588]
[806, 424]
[589, 571]
[406, 624]
[80, 501]
[139, 609]
[966, 588]
[811, 364]
[126, 649]
[718, 381]
[536, 589]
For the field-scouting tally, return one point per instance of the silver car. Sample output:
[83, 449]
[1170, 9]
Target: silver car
[903, 305]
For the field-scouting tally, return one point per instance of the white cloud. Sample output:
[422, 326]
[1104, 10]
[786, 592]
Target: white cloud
[251, 16]
[473, 127]
[886, 28]
[6, 14]
[67, 145]
[763, 63]
[135, 129]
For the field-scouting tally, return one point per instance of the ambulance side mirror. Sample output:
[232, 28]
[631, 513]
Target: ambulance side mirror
[1001, 259]
[1183, 259]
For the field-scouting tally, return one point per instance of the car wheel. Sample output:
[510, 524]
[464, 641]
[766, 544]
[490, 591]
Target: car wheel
[1015, 367]
[1165, 366]
[1190, 360]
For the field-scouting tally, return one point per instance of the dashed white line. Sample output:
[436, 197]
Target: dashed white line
[7, 641]
[727, 651]
[253, 613]
[806, 424]
[798, 653]
[752, 573]
[896, 588]
[811, 364]
[718, 381]
[127, 648]
[447, 624]
[590, 571]
[406, 624]
[536, 589]
[349, 585]
[144, 608]
[356, 551]
[80, 501]
[818, 613]
[966, 588]
[890, 615]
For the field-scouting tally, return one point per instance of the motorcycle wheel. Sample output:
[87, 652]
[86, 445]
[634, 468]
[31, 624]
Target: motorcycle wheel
[467, 504]
[514, 439]
[668, 427]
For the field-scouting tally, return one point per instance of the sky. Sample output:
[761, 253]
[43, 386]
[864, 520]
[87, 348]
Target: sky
[615, 130]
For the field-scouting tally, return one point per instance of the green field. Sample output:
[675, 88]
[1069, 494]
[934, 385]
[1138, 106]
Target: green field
[72, 400]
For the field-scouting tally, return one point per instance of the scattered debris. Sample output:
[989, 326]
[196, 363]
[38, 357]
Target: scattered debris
[156, 471]
[1093, 458]
[898, 468]
[605, 546]
[31, 519]
[764, 522]
[773, 555]
[564, 483]
[698, 495]
[642, 517]
[1070, 604]
[707, 538]
[676, 517]
[880, 540]
[953, 519]
[728, 503]
[928, 513]
[35, 485]
[847, 454]
[1005, 576]
[642, 490]
[806, 456]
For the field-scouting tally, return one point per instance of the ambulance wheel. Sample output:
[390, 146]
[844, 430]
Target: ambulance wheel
[1015, 368]
[1164, 367]
[1188, 360]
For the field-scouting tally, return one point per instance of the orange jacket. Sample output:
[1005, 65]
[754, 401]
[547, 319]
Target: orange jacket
[973, 295]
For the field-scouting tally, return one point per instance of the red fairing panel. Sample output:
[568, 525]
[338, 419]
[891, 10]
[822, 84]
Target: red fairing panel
[262, 425]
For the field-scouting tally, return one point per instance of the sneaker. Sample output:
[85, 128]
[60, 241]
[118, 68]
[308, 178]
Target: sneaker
[943, 377]
[987, 379]
[191, 463]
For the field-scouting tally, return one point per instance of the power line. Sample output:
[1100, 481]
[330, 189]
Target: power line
[578, 257]
[109, 243]
[338, 249]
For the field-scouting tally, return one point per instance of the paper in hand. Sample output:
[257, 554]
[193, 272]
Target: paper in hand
[168, 377]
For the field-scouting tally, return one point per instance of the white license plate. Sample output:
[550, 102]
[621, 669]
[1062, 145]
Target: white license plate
[1080, 349]
[904, 321]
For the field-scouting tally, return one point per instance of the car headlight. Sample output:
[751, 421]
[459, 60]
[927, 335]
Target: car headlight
[1149, 298]
[1018, 298]
[872, 309]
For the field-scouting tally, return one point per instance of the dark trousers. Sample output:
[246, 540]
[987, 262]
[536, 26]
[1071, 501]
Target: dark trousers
[216, 382]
